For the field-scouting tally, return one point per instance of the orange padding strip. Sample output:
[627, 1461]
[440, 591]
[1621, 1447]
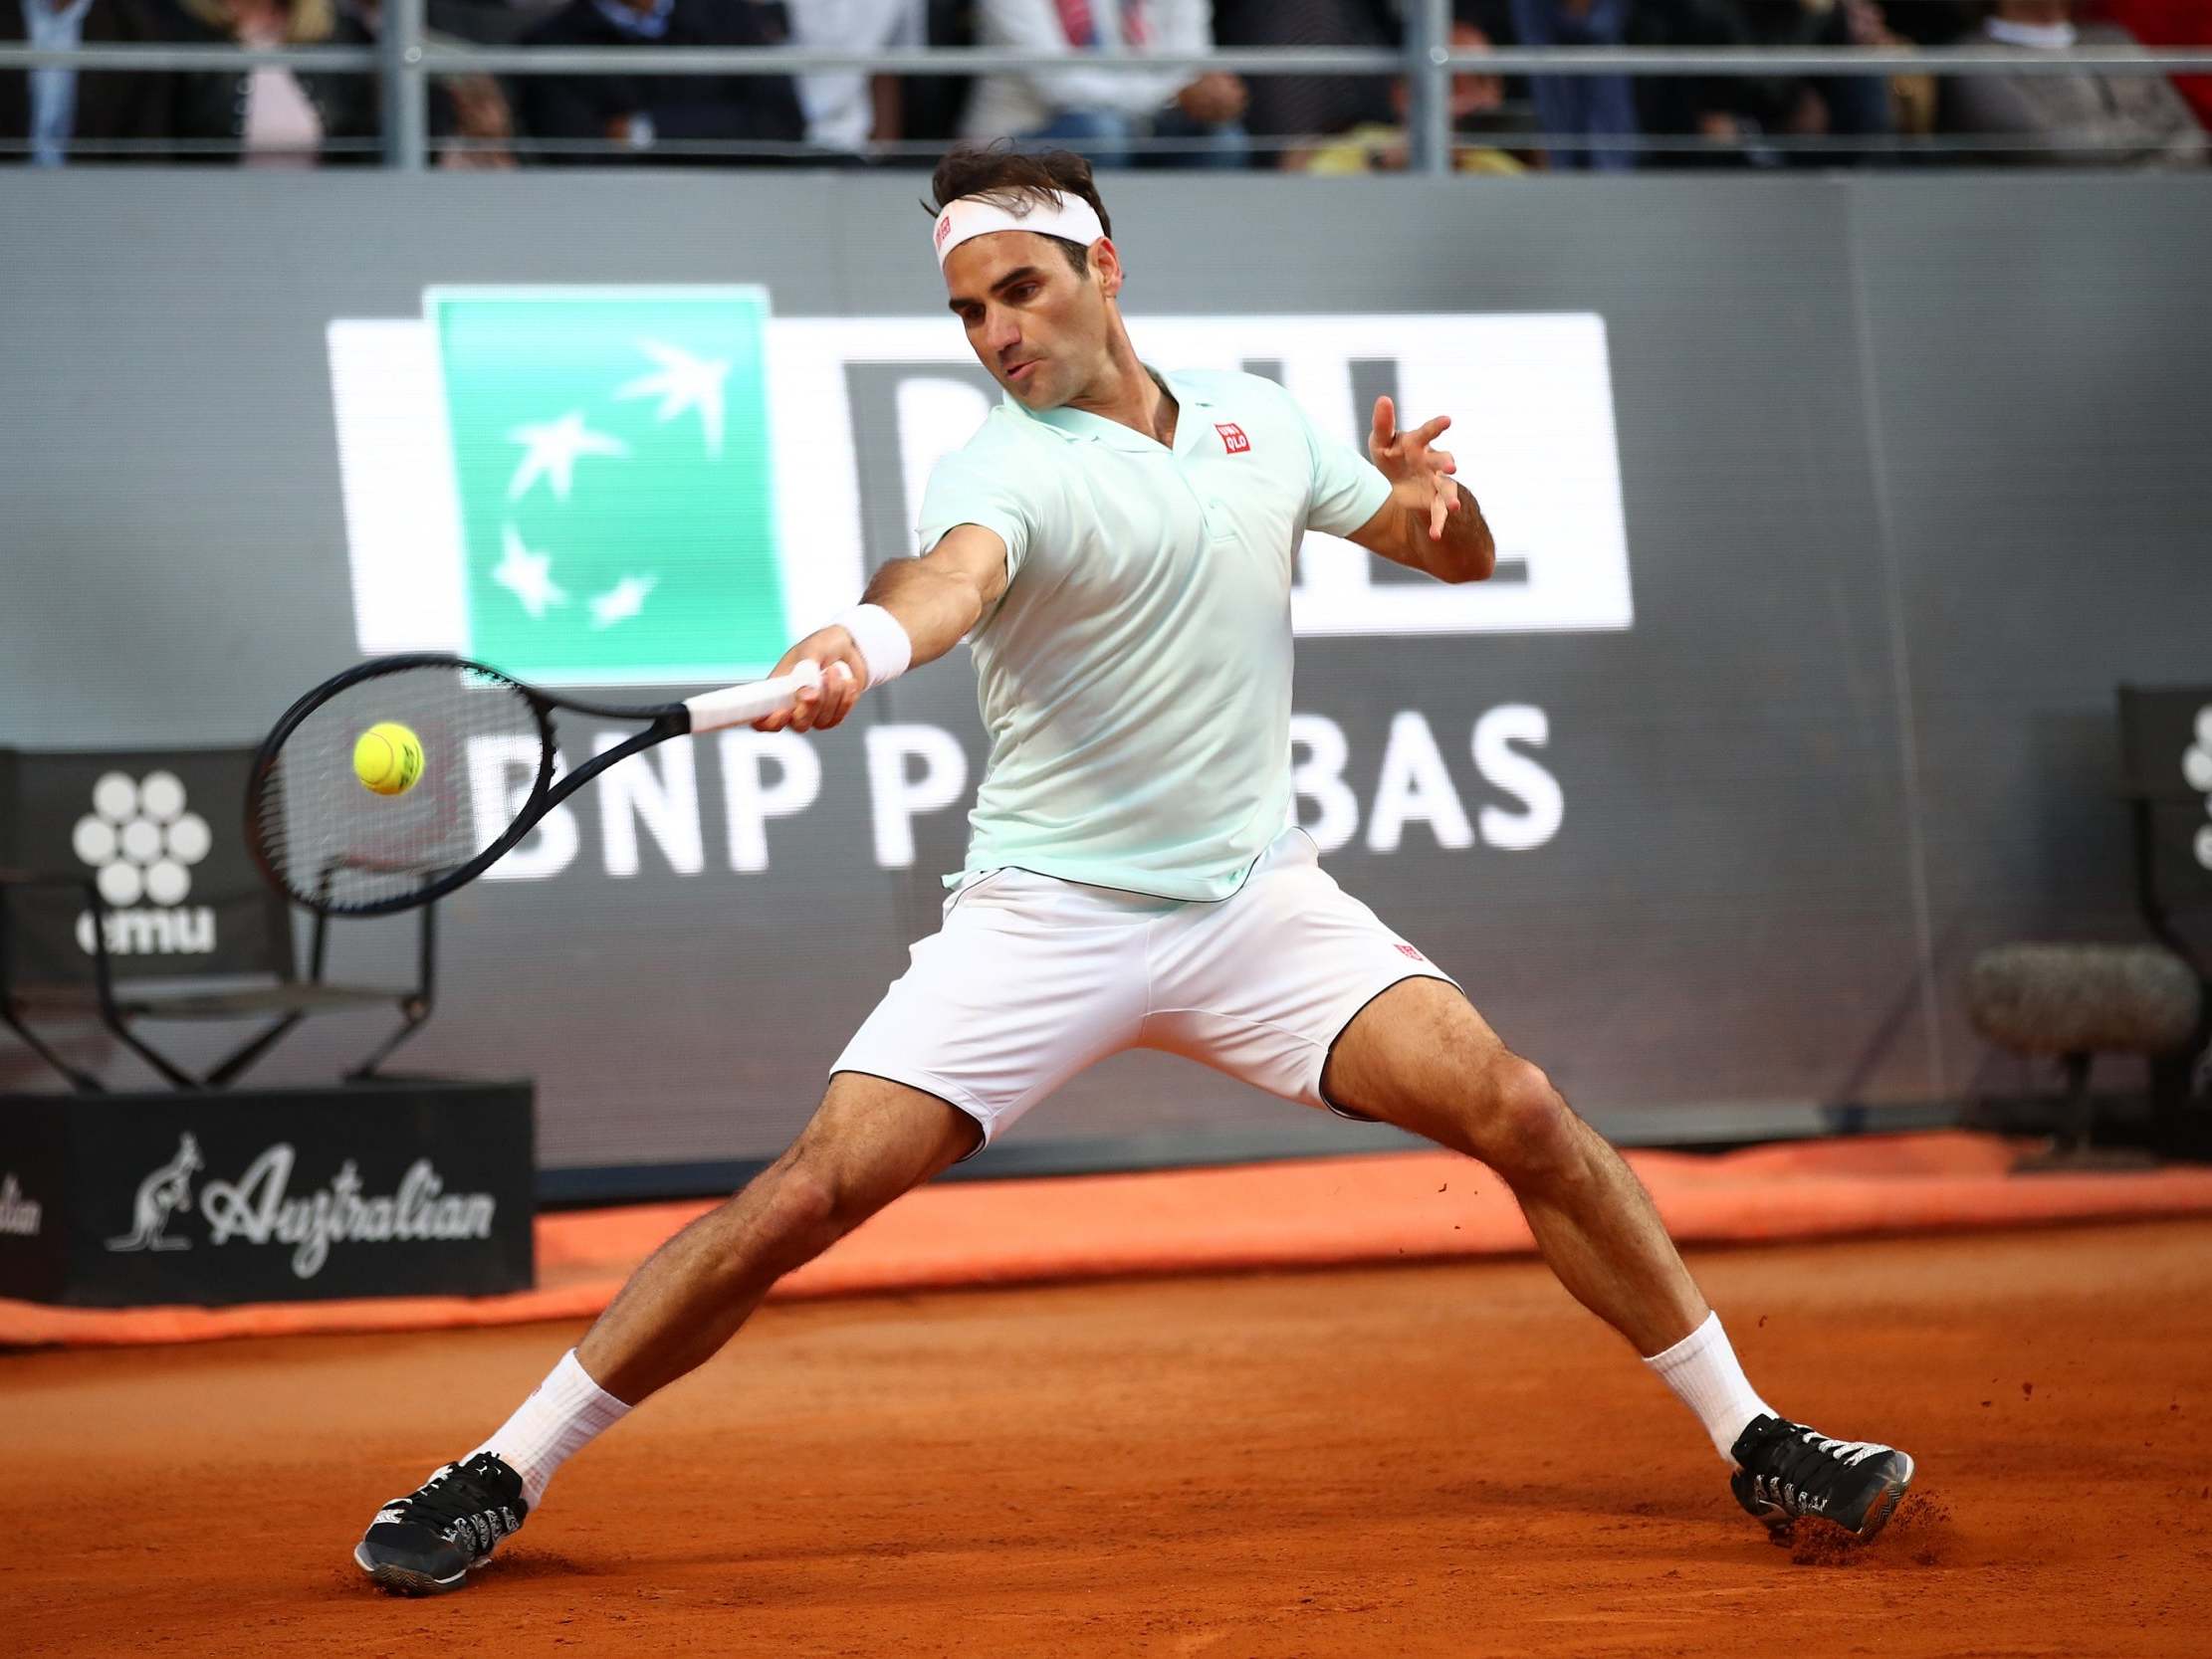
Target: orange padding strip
[1315, 1212]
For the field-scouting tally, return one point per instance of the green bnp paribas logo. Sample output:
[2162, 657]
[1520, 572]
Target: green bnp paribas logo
[576, 484]
[612, 459]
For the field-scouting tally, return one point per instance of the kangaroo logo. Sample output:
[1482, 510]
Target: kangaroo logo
[161, 1195]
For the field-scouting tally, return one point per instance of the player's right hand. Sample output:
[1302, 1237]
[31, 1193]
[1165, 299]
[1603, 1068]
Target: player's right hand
[844, 674]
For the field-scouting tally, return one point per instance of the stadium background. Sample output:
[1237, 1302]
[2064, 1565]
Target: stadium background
[1910, 474]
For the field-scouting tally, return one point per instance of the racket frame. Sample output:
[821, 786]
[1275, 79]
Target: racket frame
[664, 721]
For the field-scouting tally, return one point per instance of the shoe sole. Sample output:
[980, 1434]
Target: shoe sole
[402, 1581]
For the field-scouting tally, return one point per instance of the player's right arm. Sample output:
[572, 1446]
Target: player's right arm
[936, 598]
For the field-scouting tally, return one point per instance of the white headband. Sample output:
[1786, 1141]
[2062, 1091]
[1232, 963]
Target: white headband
[969, 217]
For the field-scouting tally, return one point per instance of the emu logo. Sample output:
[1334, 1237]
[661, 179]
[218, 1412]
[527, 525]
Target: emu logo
[161, 1195]
[2196, 770]
[141, 844]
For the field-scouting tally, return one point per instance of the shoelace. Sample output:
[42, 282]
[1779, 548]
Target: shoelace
[1795, 1461]
[451, 1496]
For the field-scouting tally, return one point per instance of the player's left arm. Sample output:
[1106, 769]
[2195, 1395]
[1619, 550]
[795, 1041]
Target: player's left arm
[1430, 521]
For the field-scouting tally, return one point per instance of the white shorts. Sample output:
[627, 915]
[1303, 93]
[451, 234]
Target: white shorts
[1032, 978]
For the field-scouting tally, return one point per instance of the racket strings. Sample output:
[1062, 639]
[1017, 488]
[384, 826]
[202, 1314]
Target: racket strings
[334, 843]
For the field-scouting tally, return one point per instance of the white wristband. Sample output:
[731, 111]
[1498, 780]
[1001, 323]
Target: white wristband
[884, 645]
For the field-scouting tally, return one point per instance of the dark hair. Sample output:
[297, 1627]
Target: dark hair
[1009, 176]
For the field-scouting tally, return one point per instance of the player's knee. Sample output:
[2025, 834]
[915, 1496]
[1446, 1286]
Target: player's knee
[801, 1212]
[1525, 1128]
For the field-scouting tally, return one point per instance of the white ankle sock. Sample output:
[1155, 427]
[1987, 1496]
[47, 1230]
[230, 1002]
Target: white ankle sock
[1702, 1368]
[566, 1415]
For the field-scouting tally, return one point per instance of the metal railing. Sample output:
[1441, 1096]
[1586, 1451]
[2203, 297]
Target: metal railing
[406, 62]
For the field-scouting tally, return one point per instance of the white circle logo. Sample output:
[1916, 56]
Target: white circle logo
[2197, 771]
[140, 840]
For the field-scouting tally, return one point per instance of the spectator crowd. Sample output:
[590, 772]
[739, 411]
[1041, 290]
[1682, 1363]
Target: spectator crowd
[1144, 117]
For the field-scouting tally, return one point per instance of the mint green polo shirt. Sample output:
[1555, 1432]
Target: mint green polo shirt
[1134, 678]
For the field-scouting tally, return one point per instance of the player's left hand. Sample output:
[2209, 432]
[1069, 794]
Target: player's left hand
[1419, 476]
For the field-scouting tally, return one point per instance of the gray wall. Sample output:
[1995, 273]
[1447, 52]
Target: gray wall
[1913, 472]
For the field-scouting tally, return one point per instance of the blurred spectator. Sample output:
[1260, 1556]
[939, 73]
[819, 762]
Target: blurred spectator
[1912, 97]
[469, 107]
[845, 112]
[2171, 23]
[931, 106]
[1305, 106]
[269, 117]
[2085, 117]
[1600, 107]
[1378, 147]
[1104, 114]
[637, 113]
[1934, 22]
[1739, 112]
[47, 115]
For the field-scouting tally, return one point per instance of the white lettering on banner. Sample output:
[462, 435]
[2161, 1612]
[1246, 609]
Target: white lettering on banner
[501, 772]
[146, 933]
[1415, 786]
[750, 803]
[1530, 394]
[258, 1209]
[660, 790]
[914, 771]
[1543, 805]
[18, 1215]
[1319, 778]
[898, 799]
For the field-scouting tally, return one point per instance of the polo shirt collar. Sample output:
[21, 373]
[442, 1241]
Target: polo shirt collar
[1082, 423]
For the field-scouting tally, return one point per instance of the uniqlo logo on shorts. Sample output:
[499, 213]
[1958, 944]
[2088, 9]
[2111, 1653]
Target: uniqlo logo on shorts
[1405, 949]
[1232, 438]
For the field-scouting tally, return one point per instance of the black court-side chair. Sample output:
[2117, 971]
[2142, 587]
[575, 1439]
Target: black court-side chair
[2152, 999]
[127, 897]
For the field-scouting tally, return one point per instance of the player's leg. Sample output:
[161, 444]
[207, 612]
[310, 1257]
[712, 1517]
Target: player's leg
[1419, 1056]
[1028, 981]
[870, 1141]
[1296, 987]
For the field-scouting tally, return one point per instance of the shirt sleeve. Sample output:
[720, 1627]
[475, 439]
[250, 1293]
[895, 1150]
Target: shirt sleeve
[971, 487]
[1346, 491]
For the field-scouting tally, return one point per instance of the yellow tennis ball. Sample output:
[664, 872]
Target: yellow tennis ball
[387, 758]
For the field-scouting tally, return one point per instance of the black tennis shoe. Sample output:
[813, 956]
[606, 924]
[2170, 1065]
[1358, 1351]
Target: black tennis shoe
[1786, 1470]
[429, 1542]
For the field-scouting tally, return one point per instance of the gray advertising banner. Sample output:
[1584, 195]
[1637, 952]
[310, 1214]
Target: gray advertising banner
[1831, 512]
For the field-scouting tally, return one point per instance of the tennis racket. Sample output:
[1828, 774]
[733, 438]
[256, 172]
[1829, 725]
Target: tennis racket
[490, 761]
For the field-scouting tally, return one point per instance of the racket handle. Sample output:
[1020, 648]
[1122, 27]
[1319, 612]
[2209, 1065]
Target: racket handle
[743, 705]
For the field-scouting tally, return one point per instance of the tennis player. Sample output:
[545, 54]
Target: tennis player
[1116, 544]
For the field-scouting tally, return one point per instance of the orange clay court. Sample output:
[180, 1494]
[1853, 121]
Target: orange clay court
[1421, 1455]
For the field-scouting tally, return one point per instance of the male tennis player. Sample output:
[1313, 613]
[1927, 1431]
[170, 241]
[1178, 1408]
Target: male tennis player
[1116, 543]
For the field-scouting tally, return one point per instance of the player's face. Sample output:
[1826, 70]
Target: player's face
[1039, 329]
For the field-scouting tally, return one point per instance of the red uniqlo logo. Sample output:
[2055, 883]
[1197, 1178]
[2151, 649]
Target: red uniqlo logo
[943, 228]
[1232, 438]
[1409, 951]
